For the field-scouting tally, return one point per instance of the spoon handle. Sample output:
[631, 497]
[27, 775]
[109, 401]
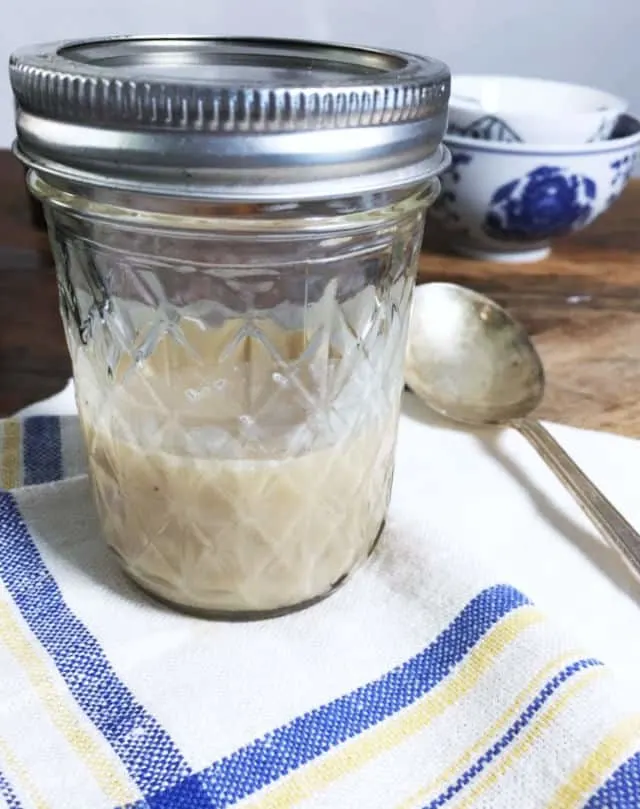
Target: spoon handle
[613, 526]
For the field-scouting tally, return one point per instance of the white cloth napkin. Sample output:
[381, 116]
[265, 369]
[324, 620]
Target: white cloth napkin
[61, 404]
[428, 680]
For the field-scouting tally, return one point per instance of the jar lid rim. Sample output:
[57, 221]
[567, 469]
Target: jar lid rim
[259, 84]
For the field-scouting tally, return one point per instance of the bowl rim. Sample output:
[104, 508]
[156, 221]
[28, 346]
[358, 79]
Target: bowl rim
[609, 101]
[567, 149]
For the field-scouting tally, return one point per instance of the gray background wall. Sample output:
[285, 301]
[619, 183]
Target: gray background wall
[595, 42]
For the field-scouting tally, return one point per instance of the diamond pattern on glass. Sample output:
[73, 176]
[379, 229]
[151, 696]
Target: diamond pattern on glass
[241, 420]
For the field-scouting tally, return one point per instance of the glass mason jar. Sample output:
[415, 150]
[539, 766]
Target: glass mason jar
[236, 228]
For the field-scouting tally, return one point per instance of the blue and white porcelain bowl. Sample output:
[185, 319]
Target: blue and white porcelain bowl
[508, 201]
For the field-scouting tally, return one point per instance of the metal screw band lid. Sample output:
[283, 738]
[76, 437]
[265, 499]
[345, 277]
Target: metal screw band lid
[241, 118]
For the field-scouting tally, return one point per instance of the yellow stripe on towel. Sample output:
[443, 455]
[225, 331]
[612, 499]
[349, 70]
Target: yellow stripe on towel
[20, 776]
[11, 463]
[524, 697]
[114, 783]
[308, 781]
[598, 764]
[536, 729]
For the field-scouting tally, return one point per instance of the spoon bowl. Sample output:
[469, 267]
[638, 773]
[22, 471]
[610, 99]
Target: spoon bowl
[469, 359]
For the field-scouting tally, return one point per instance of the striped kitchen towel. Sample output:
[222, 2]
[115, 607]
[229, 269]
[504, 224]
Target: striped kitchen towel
[428, 680]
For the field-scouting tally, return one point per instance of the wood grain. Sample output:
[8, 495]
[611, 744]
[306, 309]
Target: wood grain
[582, 305]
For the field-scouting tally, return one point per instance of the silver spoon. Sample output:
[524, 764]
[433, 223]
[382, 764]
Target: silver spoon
[468, 360]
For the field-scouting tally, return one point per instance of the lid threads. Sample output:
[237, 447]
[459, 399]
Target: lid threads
[223, 116]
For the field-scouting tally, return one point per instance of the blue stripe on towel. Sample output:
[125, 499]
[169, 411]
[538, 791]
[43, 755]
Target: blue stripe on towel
[42, 450]
[516, 728]
[7, 794]
[307, 737]
[621, 790]
[144, 747]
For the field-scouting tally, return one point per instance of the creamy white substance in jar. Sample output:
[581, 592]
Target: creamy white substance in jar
[222, 501]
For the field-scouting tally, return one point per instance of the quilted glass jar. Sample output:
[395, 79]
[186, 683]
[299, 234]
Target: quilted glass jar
[235, 283]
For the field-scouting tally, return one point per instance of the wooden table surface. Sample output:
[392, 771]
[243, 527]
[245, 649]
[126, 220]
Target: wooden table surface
[582, 305]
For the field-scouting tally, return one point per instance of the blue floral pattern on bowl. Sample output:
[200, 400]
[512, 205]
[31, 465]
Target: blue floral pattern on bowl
[488, 127]
[622, 169]
[444, 208]
[548, 201]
